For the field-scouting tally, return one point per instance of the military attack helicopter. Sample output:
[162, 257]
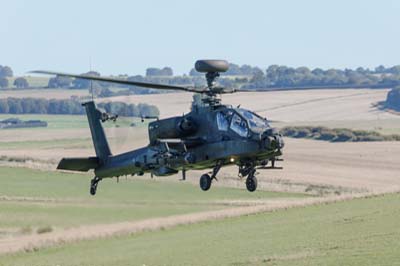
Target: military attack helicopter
[212, 135]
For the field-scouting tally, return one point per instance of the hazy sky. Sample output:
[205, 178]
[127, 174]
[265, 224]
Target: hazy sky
[129, 36]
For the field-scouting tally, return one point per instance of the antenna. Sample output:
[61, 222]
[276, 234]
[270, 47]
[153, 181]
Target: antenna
[91, 81]
[91, 89]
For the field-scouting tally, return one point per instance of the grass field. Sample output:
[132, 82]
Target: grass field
[358, 232]
[63, 131]
[63, 128]
[33, 81]
[69, 121]
[31, 198]
[49, 144]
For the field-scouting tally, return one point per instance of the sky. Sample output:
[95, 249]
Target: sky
[126, 37]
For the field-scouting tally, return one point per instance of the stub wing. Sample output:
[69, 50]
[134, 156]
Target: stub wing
[78, 164]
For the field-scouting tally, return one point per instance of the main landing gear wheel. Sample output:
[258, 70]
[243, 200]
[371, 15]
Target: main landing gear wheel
[93, 185]
[205, 182]
[251, 182]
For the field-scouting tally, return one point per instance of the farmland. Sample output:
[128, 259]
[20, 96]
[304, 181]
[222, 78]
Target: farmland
[359, 232]
[157, 221]
[60, 201]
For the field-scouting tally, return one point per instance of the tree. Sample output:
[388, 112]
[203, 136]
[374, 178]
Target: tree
[60, 82]
[3, 83]
[53, 107]
[21, 83]
[148, 110]
[272, 74]
[303, 71]
[4, 109]
[153, 71]
[105, 93]
[395, 70]
[380, 69]
[233, 70]
[167, 71]
[194, 73]
[5, 71]
[28, 105]
[258, 76]
[246, 70]
[318, 72]
[84, 83]
[133, 110]
[41, 106]
[15, 106]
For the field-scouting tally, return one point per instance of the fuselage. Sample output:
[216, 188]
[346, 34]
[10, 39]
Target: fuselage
[198, 140]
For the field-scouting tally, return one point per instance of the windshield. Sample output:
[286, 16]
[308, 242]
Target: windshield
[222, 121]
[239, 126]
[255, 122]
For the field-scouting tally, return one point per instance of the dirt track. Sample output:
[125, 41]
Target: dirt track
[34, 242]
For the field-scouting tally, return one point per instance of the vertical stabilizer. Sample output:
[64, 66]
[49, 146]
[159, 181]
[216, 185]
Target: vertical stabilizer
[96, 129]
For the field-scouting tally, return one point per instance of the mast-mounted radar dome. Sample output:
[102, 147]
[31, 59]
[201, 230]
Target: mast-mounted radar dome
[209, 65]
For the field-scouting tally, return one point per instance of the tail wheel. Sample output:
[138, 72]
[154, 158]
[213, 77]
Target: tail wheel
[205, 182]
[93, 188]
[93, 185]
[251, 183]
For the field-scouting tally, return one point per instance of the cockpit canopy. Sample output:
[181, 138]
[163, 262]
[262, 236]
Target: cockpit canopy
[240, 121]
[256, 123]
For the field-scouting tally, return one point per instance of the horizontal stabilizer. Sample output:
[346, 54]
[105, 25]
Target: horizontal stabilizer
[78, 164]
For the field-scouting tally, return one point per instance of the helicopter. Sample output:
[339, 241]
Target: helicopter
[212, 135]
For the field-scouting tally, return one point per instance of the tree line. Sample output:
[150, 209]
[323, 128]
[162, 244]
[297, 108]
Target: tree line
[246, 76]
[71, 107]
[282, 76]
[336, 134]
[5, 73]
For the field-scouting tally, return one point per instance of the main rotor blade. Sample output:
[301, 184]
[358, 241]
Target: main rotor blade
[346, 86]
[123, 81]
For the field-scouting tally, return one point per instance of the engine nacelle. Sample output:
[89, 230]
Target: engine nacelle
[171, 128]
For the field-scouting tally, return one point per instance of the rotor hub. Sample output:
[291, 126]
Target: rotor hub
[212, 69]
[211, 78]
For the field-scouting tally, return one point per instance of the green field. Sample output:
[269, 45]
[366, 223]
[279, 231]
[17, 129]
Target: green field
[48, 144]
[358, 232]
[33, 81]
[70, 121]
[31, 198]
[59, 130]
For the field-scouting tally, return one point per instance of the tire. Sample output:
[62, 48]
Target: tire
[93, 187]
[92, 190]
[205, 182]
[251, 183]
